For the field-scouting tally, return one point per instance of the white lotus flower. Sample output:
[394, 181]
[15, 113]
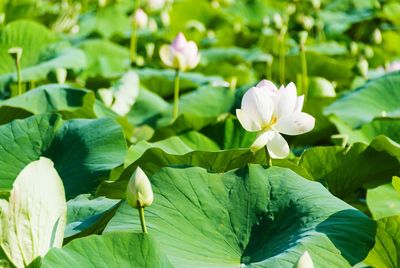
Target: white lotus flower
[270, 111]
[181, 54]
[140, 18]
[138, 192]
[305, 261]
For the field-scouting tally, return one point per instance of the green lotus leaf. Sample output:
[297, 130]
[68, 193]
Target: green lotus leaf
[190, 149]
[110, 21]
[377, 98]
[111, 63]
[83, 150]
[346, 171]
[251, 216]
[197, 109]
[162, 81]
[87, 215]
[68, 101]
[40, 53]
[386, 250]
[396, 183]
[383, 201]
[369, 131]
[120, 249]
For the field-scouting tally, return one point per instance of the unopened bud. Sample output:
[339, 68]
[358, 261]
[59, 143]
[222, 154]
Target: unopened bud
[278, 21]
[377, 36]
[61, 75]
[362, 66]
[305, 261]
[138, 192]
[15, 53]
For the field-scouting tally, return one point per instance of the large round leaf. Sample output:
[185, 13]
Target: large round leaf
[197, 109]
[69, 102]
[379, 97]
[383, 201]
[40, 55]
[112, 250]
[346, 171]
[83, 150]
[252, 216]
[386, 252]
[189, 149]
[162, 81]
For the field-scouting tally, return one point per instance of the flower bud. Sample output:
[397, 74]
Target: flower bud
[140, 18]
[181, 54]
[354, 48]
[368, 52]
[138, 192]
[316, 4]
[165, 19]
[278, 21]
[362, 67]
[308, 22]
[291, 9]
[377, 36]
[15, 53]
[102, 3]
[303, 35]
[61, 75]
[150, 49]
[2, 18]
[305, 261]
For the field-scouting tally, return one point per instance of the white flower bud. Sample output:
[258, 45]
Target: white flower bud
[16, 53]
[140, 18]
[362, 66]
[181, 54]
[305, 261]
[61, 75]
[278, 21]
[377, 36]
[139, 192]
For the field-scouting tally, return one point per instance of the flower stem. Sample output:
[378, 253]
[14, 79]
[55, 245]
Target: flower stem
[142, 220]
[133, 47]
[176, 95]
[268, 66]
[281, 39]
[133, 43]
[304, 77]
[268, 157]
[18, 66]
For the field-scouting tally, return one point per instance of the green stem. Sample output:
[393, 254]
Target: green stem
[304, 77]
[18, 66]
[268, 157]
[268, 70]
[142, 220]
[282, 58]
[176, 95]
[133, 47]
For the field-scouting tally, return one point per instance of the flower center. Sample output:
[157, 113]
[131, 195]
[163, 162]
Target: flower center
[269, 124]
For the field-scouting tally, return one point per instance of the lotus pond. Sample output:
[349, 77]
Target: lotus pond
[199, 133]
